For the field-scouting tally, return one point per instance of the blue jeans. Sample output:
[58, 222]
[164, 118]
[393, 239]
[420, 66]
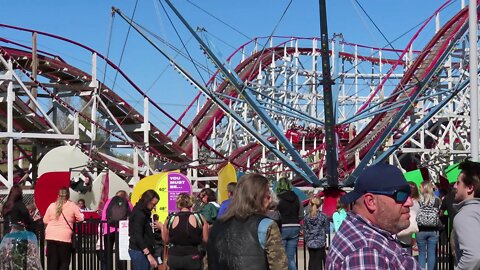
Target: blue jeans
[290, 242]
[139, 260]
[427, 248]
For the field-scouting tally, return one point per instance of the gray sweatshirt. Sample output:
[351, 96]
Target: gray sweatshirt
[466, 226]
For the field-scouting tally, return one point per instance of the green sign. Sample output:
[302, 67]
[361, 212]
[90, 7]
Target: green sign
[452, 173]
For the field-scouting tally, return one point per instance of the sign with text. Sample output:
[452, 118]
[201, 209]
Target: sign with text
[168, 185]
[123, 239]
[168, 188]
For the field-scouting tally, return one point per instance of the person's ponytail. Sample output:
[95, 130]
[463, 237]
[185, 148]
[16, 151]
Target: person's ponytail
[63, 196]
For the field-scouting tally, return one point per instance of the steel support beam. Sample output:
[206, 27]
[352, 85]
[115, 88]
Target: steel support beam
[298, 164]
[473, 68]
[328, 103]
[305, 172]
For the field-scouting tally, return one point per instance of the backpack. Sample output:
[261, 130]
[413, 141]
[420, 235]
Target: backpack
[428, 215]
[118, 209]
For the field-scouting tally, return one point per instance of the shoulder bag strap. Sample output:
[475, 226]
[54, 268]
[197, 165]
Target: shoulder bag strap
[67, 222]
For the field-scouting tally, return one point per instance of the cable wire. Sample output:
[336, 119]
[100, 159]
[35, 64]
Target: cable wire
[125, 44]
[219, 20]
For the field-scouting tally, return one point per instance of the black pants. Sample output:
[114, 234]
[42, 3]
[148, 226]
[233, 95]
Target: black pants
[316, 259]
[109, 240]
[189, 262]
[59, 255]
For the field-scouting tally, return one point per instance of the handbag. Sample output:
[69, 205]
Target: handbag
[428, 216]
[74, 236]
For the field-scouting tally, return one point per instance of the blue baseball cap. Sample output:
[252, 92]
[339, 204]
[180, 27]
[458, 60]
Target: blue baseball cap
[378, 177]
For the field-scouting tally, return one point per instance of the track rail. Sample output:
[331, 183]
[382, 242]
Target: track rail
[416, 79]
[210, 114]
[64, 74]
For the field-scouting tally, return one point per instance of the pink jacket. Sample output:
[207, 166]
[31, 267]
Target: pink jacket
[57, 228]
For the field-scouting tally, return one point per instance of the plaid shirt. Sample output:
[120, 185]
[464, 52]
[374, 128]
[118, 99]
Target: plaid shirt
[361, 245]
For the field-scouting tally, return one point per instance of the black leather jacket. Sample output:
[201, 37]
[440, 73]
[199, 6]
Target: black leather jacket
[234, 245]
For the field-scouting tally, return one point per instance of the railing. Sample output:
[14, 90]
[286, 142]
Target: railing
[92, 248]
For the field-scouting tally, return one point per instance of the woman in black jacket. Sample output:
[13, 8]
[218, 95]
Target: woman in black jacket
[140, 230]
[14, 211]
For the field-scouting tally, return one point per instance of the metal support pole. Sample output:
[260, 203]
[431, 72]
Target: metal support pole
[34, 70]
[34, 164]
[146, 132]
[473, 37]
[10, 100]
[136, 177]
[195, 163]
[94, 83]
[328, 106]
[298, 165]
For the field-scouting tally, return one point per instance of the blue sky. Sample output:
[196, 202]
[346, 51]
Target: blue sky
[89, 22]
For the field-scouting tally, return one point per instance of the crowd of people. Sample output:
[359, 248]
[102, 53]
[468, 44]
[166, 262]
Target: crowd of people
[385, 212]
[385, 222]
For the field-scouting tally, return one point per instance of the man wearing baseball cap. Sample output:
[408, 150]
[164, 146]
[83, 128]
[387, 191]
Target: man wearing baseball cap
[380, 209]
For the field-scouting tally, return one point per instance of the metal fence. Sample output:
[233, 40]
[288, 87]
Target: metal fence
[94, 247]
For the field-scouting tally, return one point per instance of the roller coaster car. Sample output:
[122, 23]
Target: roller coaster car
[293, 136]
[297, 135]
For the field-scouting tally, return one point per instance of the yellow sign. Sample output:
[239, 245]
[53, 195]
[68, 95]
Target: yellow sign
[226, 175]
[167, 185]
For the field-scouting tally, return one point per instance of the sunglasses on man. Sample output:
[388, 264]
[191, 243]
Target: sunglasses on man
[400, 196]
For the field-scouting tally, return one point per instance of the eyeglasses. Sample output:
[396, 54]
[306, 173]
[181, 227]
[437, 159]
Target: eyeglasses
[400, 196]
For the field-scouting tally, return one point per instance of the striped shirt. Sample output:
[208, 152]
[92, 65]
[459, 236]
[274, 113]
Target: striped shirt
[361, 245]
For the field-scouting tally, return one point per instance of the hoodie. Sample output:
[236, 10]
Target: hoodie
[289, 208]
[466, 226]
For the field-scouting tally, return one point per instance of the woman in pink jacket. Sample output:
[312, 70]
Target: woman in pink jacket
[59, 220]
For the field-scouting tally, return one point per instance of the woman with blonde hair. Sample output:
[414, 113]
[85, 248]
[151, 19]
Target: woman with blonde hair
[184, 232]
[427, 221]
[316, 227]
[59, 220]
